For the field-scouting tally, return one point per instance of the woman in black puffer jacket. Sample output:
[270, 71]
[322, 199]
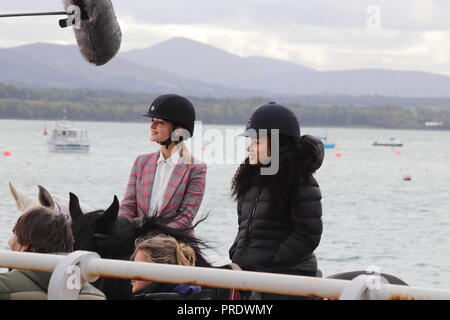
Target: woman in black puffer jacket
[279, 213]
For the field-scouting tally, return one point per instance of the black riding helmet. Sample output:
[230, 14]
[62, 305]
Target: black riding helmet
[272, 116]
[275, 116]
[173, 108]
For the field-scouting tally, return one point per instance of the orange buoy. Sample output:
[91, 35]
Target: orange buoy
[45, 133]
[407, 177]
[203, 149]
[338, 154]
[398, 153]
[7, 153]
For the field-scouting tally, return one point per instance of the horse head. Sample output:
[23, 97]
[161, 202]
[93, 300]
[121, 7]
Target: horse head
[25, 203]
[54, 203]
[102, 231]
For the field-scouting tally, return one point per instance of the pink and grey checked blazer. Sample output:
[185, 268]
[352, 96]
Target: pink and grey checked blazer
[183, 195]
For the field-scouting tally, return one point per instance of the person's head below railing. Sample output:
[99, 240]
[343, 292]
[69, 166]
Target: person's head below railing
[40, 231]
[167, 250]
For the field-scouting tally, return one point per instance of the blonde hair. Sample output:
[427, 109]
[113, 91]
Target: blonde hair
[165, 249]
[184, 152]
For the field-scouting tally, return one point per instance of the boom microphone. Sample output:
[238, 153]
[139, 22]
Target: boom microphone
[98, 35]
[95, 24]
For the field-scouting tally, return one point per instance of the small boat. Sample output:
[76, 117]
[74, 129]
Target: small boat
[390, 143]
[326, 144]
[434, 124]
[67, 138]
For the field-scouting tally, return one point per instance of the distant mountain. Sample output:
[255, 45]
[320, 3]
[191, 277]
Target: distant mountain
[47, 65]
[192, 59]
[192, 68]
[199, 61]
[16, 67]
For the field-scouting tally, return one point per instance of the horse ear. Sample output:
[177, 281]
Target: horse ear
[108, 218]
[22, 201]
[16, 195]
[45, 198]
[74, 207]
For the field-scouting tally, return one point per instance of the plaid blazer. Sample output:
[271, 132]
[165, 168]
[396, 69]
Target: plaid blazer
[182, 197]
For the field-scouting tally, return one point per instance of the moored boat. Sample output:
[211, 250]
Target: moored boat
[67, 138]
[326, 144]
[389, 143]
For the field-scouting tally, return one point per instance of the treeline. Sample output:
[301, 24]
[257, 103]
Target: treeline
[370, 101]
[104, 105]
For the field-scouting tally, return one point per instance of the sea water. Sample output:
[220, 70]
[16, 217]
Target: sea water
[372, 217]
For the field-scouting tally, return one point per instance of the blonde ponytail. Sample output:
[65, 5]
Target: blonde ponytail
[165, 249]
[185, 254]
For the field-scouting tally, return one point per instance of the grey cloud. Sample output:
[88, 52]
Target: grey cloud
[262, 14]
[402, 14]
[337, 28]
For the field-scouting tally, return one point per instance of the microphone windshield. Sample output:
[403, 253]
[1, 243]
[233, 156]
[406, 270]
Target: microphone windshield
[99, 35]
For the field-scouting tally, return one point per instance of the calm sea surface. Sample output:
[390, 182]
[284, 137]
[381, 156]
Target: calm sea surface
[371, 216]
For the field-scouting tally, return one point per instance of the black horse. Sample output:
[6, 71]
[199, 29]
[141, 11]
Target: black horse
[113, 237]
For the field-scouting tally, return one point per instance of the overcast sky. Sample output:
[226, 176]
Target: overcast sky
[321, 34]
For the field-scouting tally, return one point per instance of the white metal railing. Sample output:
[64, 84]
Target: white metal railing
[90, 266]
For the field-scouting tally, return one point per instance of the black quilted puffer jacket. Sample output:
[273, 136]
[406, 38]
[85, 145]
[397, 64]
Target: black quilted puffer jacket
[281, 239]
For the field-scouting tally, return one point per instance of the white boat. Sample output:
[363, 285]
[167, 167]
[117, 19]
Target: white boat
[434, 124]
[389, 143]
[67, 138]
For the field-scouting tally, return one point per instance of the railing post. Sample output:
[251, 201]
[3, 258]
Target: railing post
[363, 287]
[69, 276]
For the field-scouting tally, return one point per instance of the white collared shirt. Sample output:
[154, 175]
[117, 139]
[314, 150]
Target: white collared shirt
[163, 173]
